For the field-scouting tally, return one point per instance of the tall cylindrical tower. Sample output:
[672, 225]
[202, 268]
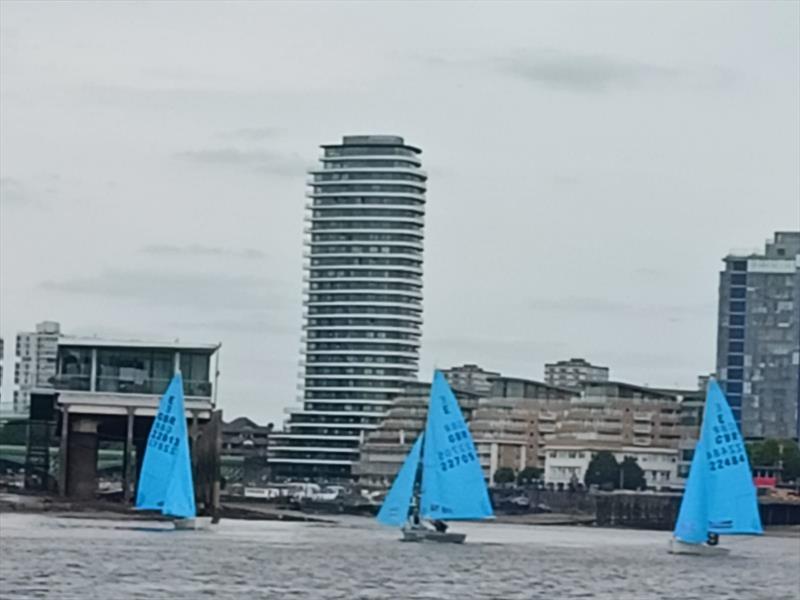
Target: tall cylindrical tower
[363, 298]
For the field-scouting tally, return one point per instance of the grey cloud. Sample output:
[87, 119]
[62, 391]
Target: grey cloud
[589, 305]
[262, 161]
[249, 325]
[14, 193]
[200, 250]
[251, 134]
[175, 288]
[583, 72]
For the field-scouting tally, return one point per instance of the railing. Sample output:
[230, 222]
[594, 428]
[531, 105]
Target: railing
[72, 382]
[155, 387]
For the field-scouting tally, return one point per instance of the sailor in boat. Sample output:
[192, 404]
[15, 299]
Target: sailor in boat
[713, 539]
[439, 525]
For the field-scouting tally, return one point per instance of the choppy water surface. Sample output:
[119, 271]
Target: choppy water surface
[49, 557]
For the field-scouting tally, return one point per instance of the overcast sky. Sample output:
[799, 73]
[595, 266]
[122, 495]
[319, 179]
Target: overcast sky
[590, 164]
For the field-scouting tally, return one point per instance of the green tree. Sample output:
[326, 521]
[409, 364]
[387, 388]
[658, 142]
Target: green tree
[631, 475]
[603, 470]
[504, 475]
[773, 453]
[528, 474]
[14, 433]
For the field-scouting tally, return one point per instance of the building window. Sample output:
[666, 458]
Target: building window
[738, 292]
[733, 387]
[739, 279]
[735, 360]
[735, 347]
[739, 265]
[737, 320]
[737, 306]
[736, 374]
[736, 333]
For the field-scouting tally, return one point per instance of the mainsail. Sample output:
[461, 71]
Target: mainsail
[165, 482]
[720, 496]
[453, 486]
[395, 508]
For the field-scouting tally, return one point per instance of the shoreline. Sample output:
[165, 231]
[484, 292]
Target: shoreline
[11, 503]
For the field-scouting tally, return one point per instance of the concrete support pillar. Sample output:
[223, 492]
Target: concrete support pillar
[82, 458]
[63, 452]
[93, 373]
[494, 456]
[127, 460]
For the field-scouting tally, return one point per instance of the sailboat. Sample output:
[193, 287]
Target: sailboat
[720, 497]
[441, 478]
[165, 483]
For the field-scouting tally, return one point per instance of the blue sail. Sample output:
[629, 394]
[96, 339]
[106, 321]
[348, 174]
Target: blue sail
[453, 486]
[165, 482]
[395, 508]
[692, 523]
[720, 496]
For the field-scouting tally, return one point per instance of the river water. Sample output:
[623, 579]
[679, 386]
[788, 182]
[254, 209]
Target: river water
[52, 557]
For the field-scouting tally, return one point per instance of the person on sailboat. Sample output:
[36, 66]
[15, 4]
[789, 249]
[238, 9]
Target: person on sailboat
[713, 539]
[439, 525]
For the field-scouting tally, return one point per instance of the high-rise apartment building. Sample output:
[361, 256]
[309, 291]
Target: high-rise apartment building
[758, 337]
[573, 372]
[363, 298]
[470, 378]
[35, 366]
[2, 350]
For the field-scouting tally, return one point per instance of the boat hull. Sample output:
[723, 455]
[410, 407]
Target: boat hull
[677, 546]
[426, 535]
[193, 524]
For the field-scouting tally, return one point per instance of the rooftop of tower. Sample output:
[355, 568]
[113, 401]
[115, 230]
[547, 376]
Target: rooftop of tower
[373, 140]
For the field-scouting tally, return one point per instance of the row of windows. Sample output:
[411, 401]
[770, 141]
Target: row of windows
[373, 273]
[360, 358]
[396, 298]
[393, 188]
[318, 455]
[327, 395]
[350, 150]
[332, 419]
[366, 212]
[363, 176]
[366, 322]
[379, 335]
[303, 443]
[363, 371]
[366, 237]
[369, 164]
[366, 249]
[370, 408]
[366, 260]
[355, 346]
[413, 286]
[363, 310]
[374, 200]
[327, 431]
[321, 225]
[345, 383]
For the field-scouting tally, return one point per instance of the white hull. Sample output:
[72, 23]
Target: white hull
[427, 535]
[677, 546]
[195, 524]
